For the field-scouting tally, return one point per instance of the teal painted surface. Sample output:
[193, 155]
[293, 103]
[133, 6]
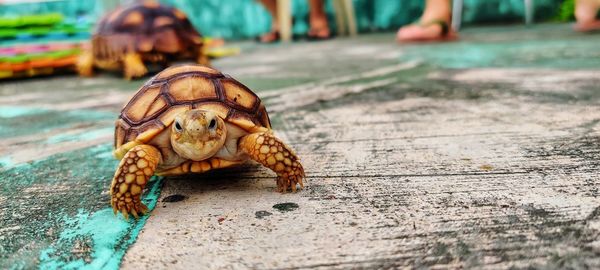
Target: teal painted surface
[63, 220]
[109, 236]
[237, 19]
[14, 111]
[54, 211]
[576, 52]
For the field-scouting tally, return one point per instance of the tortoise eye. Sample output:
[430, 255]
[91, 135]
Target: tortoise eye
[178, 126]
[212, 124]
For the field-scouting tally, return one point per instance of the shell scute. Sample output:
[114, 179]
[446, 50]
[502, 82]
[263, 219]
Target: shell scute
[121, 128]
[219, 108]
[141, 103]
[159, 105]
[239, 95]
[191, 88]
[134, 18]
[169, 116]
[168, 42]
[184, 69]
[163, 21]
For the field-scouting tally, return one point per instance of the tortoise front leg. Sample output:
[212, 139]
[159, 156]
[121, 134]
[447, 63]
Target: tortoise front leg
[202, 57]
[271, 152]
[135, 169]
[133, 66]
[85, 64]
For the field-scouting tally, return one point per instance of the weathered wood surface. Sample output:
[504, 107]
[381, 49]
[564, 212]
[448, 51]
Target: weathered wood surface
[480, 153]
[409, 164]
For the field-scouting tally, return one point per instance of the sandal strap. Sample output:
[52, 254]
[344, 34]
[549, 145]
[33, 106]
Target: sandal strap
[443, 24]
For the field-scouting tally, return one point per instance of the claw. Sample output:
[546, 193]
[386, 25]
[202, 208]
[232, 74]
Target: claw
[124, 212]
[114, 210]
[294, 187]
[134, 213]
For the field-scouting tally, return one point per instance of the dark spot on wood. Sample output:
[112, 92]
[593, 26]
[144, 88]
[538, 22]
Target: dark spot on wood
[261, 214]
[286, 207]
[536, 212]
[462, 249]
[174, 198]
[441, 250]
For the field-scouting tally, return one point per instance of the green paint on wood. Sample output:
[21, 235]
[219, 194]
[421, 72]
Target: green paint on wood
[578, 51]
[15, 111]
[54, 213]
[5, 162]
[103, 236]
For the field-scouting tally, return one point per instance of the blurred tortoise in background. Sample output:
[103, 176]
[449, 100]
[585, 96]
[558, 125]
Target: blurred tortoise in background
[191, 119]
[145, 32]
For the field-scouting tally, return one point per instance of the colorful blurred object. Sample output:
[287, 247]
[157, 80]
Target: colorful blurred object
[43, 44]
[216, 48]
[33, 60]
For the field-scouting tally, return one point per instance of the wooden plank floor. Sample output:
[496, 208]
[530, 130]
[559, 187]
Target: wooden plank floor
[479, 153]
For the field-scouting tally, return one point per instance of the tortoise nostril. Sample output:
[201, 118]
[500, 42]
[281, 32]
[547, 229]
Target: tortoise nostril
[212, 124]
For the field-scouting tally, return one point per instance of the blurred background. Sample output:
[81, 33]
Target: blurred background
[41, 37]
[241, 19]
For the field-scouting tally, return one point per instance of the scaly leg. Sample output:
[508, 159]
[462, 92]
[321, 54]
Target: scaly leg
[134, 66]
[134, 171]
[85, 64]
[271, 152]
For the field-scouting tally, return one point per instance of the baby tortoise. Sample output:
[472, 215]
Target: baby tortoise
[145, 32]
[191, 119]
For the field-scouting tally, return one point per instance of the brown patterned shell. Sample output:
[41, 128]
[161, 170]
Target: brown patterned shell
[180, 88]
[145, 27]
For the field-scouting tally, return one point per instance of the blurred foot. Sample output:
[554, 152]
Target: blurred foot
[432, 26]
[319, 27]
[436, 30]
[588, 26]
[270, 37]
[585, 13]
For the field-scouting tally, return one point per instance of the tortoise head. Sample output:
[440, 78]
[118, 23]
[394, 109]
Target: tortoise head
[197, 134]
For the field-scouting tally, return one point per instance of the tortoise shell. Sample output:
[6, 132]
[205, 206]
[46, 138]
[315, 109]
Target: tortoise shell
[145, 27]
[180, 88]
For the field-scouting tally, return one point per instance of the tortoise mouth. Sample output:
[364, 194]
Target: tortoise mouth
[197, 151]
